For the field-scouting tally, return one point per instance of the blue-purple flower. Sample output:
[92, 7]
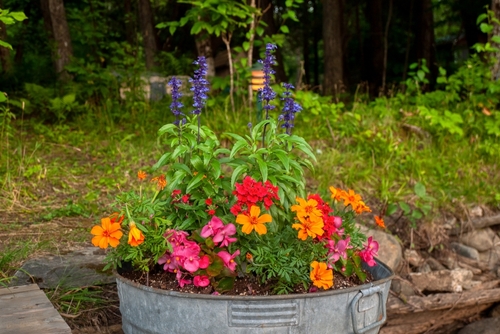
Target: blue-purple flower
[200, 85]
[290, 108]
[176, 105]
[267, 93]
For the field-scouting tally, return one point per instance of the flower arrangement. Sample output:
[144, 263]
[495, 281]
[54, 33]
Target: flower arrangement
[220, 213]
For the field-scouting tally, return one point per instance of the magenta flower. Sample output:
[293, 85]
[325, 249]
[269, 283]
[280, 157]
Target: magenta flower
[201, 281]
[204, 262]
[337, 250]
[175, 238]
[181, 280]
[212, 227]
[229, 259]
[224, 234]
[169, 262]
[370, 251]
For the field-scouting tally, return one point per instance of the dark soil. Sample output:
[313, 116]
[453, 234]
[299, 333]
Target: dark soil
[244, 286]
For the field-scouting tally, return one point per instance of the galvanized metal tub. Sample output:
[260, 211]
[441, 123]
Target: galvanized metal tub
[360, 309]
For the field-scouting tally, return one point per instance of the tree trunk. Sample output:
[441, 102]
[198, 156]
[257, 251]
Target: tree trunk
[204, 48]
[305, 42]
[250, 53]
[270, 30]
[129, 22]
[4, 52]
[425, 37]
[495, 71]
[57, 27]
[386, 45]
[226, 38]
[408, 41]
[317, 31]
[332, 40]
[148, 32]
[376, 68]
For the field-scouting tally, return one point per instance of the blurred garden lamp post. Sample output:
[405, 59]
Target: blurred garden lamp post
[256, 83]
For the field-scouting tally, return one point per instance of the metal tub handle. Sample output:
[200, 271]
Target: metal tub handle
[354, 314]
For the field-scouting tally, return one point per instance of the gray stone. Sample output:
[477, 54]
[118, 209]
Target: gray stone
[75, 269]
[443, 280]
[465, 251]
[389, 251]
[424, 268]
[434, 264]
[481, 239]
[402, 287]
[413, 257]
[491, 257]
[476, 212]
[484, 326]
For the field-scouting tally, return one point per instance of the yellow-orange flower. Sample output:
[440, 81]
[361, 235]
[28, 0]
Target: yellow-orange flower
[321, 276]
[253, 221]
[141, 175]
[107, 233]
[135, 236]
[351, 198]
[380, 221]
[160, 181]
[308, 209]
[307, 227]
[337, 193]
[361, 207]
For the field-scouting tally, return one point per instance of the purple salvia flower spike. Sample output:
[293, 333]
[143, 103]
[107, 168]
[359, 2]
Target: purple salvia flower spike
[290, 108]
[267, 92]
[176, 105]
[200, 85]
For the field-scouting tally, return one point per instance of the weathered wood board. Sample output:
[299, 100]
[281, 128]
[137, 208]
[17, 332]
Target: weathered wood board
[25, 310]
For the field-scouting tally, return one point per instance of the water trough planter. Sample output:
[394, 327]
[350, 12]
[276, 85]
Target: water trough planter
[360, 309]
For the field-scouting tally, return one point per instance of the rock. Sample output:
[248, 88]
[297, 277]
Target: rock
[485, 326]
[434, 264]
[413, 257]
[76, 269]
[402, 287]
[482, 239]
[389, 251]
[495, 312]
[442, 280]
[491, 258]
[476, 212]
[498, 272]
[465, 251]
[424, 268]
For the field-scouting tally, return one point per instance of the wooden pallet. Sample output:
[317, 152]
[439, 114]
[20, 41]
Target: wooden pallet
[26, 309]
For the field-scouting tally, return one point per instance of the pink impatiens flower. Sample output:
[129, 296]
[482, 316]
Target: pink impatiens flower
[169, 262]
[337, 250]
[229, 259]
[181, 280]
[370, 251]
[224, 234]
[212, 227]
[201, 281]
[204, 262]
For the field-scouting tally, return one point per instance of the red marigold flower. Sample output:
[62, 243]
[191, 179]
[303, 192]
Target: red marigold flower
[211, 212]
[208, 201]
[176, 192]
[185, 198]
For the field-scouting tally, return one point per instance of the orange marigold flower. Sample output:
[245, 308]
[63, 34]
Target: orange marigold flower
[321, 276]
[361, 207]
[337, 193]
[249, 257]
[160, 181]
[135, 236]
[253, 221]
[107, 233]
[116, 218]
[308, 209]
[310, 228]
[380, 221]
[351, 198]
[141, 175]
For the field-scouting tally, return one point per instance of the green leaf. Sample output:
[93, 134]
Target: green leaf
[246, 45]
[391, 209]
[284, 29]
[225, 284]
[420, 190]
[481, 18]
[263, 168]
[237, 146]
[162, 161]
[194, 182]
[215, 267]
[421, 75]
[2, 97]
[237, 172]
[486, 28]
[405, 207]
[19, 16]
[197, 163]
[5, 45]
[416, 214]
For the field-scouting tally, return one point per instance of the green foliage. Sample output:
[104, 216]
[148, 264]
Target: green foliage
[7, 17]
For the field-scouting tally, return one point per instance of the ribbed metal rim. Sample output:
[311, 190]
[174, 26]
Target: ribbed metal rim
[271, 297]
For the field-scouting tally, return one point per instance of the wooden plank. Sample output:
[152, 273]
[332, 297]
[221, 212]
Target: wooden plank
[26, 309]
